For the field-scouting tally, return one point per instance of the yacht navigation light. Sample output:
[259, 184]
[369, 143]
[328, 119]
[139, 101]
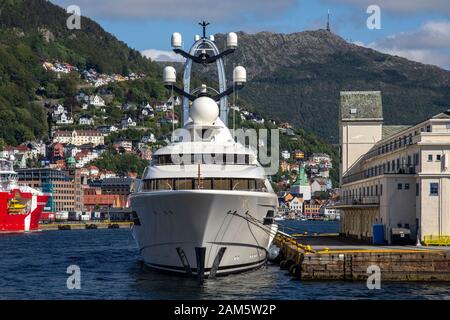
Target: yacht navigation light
[232, 40]
[239, 75]
[196, 37]
[169, 75]
[204, 111]
[176, 40]
[211, 38]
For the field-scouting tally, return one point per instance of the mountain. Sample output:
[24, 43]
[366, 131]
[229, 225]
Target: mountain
[297, 78]
[32, 32]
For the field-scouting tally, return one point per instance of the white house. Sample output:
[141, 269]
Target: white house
[285, 154]
[318, 186]
[128, 122]
[161, 107]
[64, 118]
[147, 113]
[108, 129]
[86, 121]
[149, 138]
[96, 101]
[58, 110]
[296, 205]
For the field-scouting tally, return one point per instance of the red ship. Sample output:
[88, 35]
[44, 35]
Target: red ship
[20, 206]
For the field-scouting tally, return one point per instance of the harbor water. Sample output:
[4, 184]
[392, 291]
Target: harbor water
[34, 266]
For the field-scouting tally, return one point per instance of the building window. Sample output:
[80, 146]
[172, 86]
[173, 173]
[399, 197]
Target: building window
[434, 189]
[417, 190]
[416, 159]
[448, 126]
[438, 157]
[399, 186]
[406, 186]
[428, 128]
[381, 189]
[430, 157]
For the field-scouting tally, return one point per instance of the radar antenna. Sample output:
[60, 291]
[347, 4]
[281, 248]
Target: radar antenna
[204, 24]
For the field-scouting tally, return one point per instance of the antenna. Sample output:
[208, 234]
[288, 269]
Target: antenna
[173, 115]
[234, 104]
[328, 21]
[204, 24]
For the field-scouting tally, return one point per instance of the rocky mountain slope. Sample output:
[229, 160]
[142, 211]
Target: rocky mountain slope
[297, 77]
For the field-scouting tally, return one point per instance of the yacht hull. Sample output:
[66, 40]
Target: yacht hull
[204, 231]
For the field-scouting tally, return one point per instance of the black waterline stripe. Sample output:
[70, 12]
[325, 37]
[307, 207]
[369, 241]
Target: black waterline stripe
[208, 269]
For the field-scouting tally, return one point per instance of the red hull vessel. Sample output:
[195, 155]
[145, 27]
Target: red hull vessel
[20, 206]
[20, 211]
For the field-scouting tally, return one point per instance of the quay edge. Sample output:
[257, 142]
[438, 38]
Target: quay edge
[409, 264]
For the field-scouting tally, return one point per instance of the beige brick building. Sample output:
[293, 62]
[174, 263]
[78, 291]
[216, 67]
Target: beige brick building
[397, 176]
[79, 137]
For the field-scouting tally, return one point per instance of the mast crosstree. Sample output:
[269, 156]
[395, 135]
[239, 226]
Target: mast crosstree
[204, 51]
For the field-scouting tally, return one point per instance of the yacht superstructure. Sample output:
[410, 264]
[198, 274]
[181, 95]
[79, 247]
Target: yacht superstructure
[204, 206]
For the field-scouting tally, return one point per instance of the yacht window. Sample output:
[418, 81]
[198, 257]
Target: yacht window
[165, 184]
[207, 184]
[240, 184]
[183, 184]
[222, 184]
[204, 184]
[260, 185]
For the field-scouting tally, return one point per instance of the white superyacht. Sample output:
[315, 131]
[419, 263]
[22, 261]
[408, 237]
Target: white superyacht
[205, 206]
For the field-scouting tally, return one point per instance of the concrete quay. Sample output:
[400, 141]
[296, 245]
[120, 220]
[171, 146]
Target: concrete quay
[333, 258]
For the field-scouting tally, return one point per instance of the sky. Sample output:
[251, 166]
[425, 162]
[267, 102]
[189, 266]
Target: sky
[415, 29]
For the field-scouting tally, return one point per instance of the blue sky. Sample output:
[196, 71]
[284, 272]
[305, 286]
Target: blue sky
[415, 29]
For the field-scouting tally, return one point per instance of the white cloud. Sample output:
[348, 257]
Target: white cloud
[160, 55]
[401, 6]
[227, 10]
[429, 44]
[433, 34]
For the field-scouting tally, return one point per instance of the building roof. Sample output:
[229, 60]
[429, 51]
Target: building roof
[389, 131]
[443, 115]
[302, 180]
[78, 132]
[361, 105]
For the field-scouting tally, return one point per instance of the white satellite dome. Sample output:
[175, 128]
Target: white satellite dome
[177, 40]
[169, 75]
[232, 40]
[204, 111]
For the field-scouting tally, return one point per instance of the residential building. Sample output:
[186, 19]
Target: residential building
[285, 154]
[96, 100]
[296, 205]
[64, 118]
[86, 121]
[318, 185]
[312, 208]
[128, 122]
[123, 145]
[58, 151]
